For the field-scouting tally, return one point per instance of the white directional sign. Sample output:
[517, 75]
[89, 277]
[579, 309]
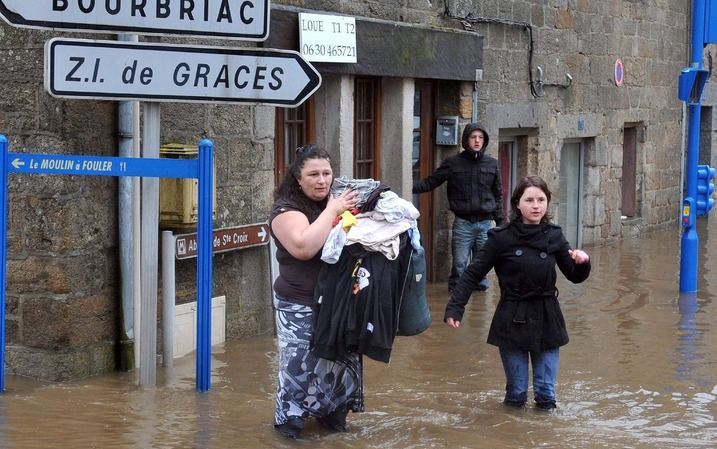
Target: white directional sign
[238, 19]
[77, 68]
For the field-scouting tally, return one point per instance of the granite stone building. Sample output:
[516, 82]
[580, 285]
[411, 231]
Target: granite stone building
[580, 92]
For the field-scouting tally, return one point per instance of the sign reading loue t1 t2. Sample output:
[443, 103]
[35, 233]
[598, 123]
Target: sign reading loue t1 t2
[238, 19]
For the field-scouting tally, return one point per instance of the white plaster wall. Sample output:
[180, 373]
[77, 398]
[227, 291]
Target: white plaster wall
[397, 134]
[334, 121]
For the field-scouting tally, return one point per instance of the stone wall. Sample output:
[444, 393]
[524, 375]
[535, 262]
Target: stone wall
[584, 39]
[62, 273]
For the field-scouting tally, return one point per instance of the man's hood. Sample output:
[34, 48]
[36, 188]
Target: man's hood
[467, 132]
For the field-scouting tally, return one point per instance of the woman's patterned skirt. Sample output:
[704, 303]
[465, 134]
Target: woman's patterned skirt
[310, 386]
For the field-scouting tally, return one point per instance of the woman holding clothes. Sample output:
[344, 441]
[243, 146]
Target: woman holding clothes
[301, 219]
[527, 323]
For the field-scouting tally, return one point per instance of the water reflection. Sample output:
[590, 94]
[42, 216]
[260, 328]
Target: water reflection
[640, 371]
[688, 338]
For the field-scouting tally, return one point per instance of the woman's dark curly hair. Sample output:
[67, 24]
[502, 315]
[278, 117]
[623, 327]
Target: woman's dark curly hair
[289, 188]
[523, 184]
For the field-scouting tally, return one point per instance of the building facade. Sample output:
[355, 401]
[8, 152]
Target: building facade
[581, 93]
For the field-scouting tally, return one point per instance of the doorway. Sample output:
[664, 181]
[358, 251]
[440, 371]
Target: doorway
[506, 165]
[629, 172]
[571, 181]
[422, 165]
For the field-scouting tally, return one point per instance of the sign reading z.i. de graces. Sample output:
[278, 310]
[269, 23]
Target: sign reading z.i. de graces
[238, 19]
[78, 68]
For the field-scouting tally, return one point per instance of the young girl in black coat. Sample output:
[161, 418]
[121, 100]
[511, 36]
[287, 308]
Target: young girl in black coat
[527, 323]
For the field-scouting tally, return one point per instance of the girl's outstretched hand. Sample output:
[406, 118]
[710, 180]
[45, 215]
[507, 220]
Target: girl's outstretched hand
[455, 324]
[579, 256]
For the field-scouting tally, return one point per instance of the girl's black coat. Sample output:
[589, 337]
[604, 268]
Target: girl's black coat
[524, 256]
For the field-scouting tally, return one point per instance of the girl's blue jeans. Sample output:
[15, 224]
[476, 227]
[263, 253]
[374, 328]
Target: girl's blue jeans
[545, 373]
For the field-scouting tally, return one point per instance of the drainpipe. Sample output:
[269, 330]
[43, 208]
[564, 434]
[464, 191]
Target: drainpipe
[136, 232]
[125, 132]
[474, 106]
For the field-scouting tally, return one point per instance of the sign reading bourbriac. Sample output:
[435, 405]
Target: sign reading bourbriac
[239, 19]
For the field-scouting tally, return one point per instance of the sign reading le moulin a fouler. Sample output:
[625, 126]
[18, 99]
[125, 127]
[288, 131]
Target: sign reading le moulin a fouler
[237, 19]
[80, 68]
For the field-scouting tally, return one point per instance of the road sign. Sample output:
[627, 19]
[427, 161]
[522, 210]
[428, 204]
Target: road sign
[77, 68]
[238, 19]
[225, 239]
[619, 72]
[58, 164]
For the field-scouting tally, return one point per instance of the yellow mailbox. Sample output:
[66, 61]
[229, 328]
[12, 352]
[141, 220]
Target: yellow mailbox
[178, 205]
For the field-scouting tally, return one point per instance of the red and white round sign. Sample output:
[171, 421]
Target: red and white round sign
[619, 73]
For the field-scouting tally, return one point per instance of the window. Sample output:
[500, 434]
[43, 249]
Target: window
[366, 128]
[294, 127]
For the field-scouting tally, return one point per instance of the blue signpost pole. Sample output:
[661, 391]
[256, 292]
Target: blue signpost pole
[57, 164]
[3, 254]
[204, 265]
[690, 240]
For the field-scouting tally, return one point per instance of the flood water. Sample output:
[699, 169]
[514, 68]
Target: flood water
[640, 372]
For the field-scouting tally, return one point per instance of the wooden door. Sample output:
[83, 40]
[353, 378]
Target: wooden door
[422, 165]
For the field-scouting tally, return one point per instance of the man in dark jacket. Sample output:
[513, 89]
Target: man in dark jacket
[475, 196]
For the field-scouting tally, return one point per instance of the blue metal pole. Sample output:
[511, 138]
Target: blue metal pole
[690, 240]
[204, 265]
[688, 339]
[3, 254]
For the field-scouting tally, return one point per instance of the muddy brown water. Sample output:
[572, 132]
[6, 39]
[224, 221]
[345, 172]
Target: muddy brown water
[640, 372]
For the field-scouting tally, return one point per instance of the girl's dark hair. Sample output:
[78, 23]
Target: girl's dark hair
[523, 184]
[289, 187]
